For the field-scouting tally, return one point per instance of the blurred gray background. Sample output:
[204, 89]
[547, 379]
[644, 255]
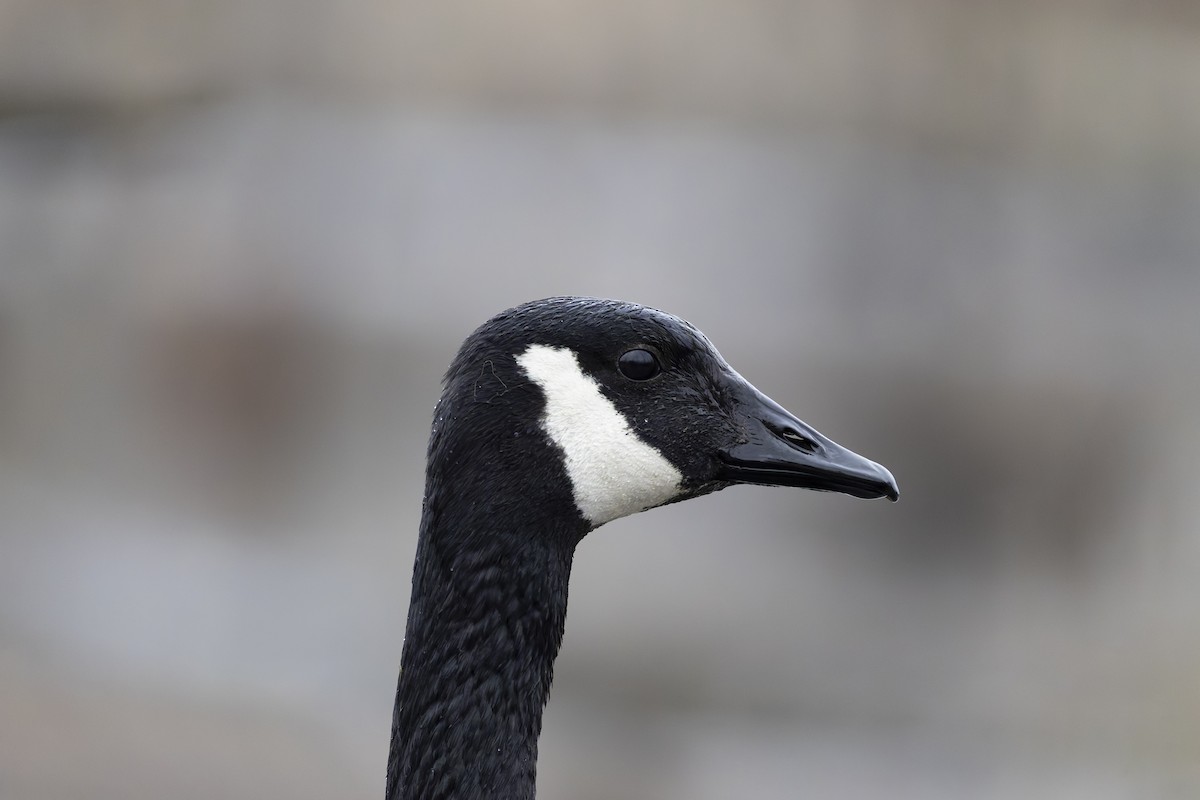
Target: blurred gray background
[240, 241]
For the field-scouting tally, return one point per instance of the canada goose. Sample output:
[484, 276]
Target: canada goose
[558, 416]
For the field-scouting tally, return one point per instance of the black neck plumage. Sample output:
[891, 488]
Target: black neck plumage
[489, 602]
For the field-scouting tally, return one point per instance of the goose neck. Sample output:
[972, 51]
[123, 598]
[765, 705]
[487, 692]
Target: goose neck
[484, 627]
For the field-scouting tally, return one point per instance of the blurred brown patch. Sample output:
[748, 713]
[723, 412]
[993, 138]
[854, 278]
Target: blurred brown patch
[238, 398]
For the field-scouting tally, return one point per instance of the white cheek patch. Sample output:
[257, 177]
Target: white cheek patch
[613, 472]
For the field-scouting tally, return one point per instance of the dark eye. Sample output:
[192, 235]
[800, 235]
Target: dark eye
[638, 365]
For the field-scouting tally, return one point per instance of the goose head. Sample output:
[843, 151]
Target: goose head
[639, 408]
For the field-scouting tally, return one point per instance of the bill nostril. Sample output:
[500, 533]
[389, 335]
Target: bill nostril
[794, 438]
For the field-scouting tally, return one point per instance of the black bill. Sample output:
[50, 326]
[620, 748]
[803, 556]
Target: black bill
[781, 450]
